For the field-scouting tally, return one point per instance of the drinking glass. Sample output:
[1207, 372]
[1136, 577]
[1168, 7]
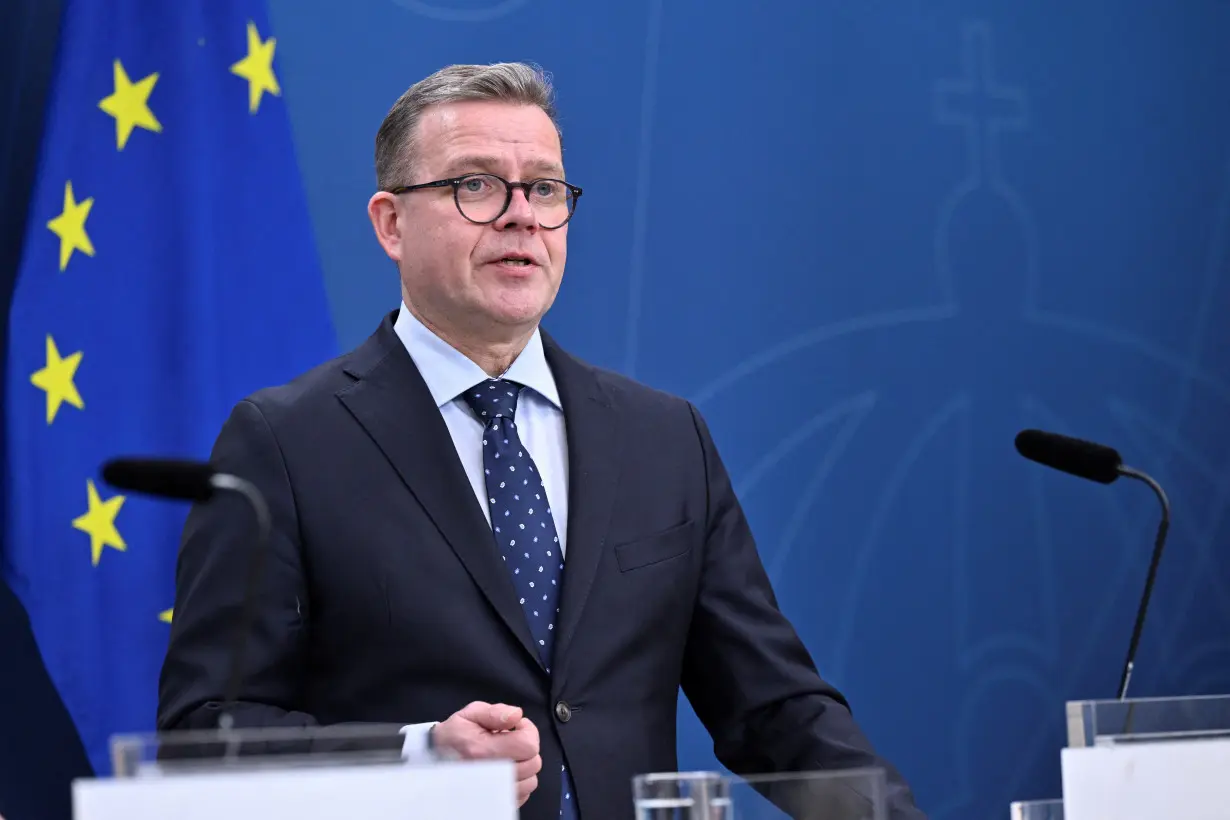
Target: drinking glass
[682, 796]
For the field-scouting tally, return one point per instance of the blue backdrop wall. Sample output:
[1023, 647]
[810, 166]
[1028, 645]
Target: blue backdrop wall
[872, 240]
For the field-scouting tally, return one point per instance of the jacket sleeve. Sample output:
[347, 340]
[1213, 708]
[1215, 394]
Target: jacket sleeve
[215, 556]
[752, 682]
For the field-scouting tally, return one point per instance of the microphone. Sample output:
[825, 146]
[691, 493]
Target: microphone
[166, 478]
[198, 481]
[1103, 464]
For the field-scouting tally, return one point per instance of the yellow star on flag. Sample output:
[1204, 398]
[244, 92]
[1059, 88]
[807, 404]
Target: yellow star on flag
[129, 104]
[70, 226]
[56, 379]
[166, 615]
[257, 68]
[99, 522]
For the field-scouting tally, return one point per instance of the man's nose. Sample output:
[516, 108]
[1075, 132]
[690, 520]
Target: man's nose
[519, 213]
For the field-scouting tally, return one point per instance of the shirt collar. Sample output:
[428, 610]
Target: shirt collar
[448, 373]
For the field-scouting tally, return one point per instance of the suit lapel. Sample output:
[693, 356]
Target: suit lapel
[594, 446]
[393, 404]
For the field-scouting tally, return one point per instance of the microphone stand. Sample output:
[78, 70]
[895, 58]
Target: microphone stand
[1158, 545]
[264, 524]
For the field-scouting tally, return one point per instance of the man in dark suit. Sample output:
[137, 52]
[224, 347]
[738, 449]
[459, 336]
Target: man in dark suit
[478, 536]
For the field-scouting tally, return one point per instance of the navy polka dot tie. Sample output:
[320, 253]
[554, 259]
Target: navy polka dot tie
[522, 523]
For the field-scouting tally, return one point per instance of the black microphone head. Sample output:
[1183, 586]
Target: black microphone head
[1084, 459]
[164, 477]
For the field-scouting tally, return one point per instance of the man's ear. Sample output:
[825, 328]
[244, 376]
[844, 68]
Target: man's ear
[382, 210]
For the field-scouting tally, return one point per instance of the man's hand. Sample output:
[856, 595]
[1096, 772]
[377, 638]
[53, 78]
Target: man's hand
[494, 731]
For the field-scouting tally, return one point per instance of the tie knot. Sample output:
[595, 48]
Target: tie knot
[494, 399]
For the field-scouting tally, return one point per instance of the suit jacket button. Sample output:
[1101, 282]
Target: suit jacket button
[563, 711]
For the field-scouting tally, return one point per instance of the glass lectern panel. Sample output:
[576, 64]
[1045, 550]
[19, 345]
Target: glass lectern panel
[855, 794]
[1101, 722]
[144, 755]
[1036, 810]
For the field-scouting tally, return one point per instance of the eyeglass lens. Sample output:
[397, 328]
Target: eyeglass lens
[481, 198]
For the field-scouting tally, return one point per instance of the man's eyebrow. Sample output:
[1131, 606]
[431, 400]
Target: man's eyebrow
[471, 162]
[548, 167]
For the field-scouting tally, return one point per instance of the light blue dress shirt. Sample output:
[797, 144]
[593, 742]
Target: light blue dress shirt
[540, 417]
[540, 424]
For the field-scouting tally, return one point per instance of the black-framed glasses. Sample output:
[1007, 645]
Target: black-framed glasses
[483, 198]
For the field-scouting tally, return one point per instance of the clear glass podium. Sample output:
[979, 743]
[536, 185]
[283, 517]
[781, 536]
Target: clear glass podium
[1163, 728]
[145, 755]
[1104, 722]
[1036, 810]
[361, 771]
[854, 794]
[305, 773]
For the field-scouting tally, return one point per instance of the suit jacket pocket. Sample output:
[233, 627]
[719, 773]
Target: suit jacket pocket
[655, 548]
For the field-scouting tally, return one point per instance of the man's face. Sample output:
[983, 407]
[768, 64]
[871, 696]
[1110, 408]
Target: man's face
[458, 275]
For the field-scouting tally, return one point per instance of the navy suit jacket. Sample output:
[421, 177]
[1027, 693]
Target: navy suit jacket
[384, 598]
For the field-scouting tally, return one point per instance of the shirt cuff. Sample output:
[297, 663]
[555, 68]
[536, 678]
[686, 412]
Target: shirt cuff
[417, 740]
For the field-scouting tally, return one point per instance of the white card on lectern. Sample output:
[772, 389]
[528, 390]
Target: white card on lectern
[1155, 780]
[477, 790]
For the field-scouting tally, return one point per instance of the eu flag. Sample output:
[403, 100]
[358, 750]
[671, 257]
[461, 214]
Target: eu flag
[169, 269]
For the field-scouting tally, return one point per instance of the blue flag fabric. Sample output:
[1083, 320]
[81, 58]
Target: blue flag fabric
[169, 270]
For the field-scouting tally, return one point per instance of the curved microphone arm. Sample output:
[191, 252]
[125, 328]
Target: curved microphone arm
[264, 525]
[1158, 545]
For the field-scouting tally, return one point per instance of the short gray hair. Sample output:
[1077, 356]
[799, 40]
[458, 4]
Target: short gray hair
[518, 83]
